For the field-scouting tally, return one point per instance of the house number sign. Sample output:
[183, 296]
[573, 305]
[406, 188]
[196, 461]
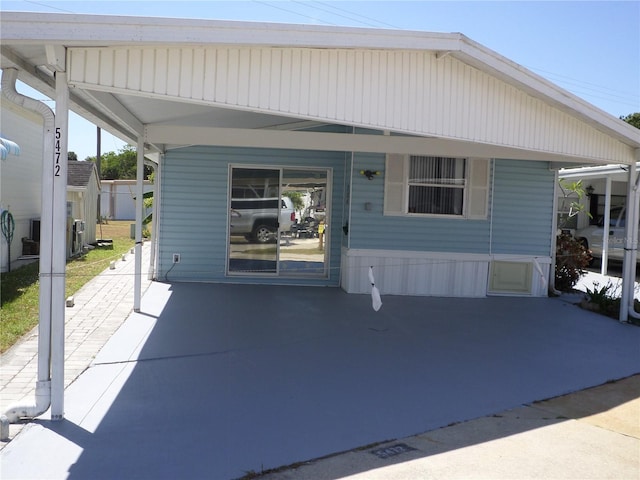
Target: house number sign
[57, 151]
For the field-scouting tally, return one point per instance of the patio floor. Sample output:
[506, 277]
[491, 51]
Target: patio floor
[216, 381]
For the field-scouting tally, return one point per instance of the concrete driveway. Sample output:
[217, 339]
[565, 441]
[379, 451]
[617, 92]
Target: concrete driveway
[217, 381]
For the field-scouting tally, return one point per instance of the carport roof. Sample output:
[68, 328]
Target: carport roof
[39, 44]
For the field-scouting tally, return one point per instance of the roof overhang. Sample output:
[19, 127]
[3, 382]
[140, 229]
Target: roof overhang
[39, 44]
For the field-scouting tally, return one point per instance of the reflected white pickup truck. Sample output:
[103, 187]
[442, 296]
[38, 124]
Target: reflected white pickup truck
[259, 219]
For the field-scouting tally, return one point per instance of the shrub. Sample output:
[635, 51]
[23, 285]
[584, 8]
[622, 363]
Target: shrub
[571, 259]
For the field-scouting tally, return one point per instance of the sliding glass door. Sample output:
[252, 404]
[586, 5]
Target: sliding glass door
[278, 221]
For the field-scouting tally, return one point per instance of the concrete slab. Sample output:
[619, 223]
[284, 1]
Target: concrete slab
[215, 381]
[529, 442]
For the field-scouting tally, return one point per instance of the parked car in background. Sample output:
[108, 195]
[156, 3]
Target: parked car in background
[591, 236]
[259, 219]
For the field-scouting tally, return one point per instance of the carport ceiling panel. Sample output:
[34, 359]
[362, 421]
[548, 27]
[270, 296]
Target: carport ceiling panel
[153, 111]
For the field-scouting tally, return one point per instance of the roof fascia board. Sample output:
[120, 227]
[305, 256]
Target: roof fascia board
[109, 30]
[241, 137]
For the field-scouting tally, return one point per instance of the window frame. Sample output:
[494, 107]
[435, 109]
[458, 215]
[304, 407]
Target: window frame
[443, 185]
[476, 187]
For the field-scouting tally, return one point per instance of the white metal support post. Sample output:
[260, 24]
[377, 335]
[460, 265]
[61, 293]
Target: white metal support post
[604, 267]
[137, 286]
[627, 269]
[59, 245]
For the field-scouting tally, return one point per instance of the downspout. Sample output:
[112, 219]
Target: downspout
[154, 217]
[137, 285]
[628, 279]
[43, 384]
[554, 237]
[634, 244]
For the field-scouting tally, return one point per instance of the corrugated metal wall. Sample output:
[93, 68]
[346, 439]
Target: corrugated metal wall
[404, 91]
[194, 209]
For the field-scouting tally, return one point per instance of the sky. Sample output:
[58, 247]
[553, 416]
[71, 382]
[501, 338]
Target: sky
[589, 48]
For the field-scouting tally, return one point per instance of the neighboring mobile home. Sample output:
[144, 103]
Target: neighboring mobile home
[21, 177]
[425, 155]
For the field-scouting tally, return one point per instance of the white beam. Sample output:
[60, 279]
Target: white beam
[241, 137]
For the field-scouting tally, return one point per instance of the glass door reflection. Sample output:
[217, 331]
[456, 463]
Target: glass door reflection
[253, 221]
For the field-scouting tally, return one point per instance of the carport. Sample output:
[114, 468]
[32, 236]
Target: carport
[202, 384]
[144, 80]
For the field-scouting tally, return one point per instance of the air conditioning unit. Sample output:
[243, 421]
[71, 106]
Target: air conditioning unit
[78, 237]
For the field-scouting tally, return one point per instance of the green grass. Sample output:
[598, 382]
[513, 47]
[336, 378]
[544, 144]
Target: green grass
[19, 289]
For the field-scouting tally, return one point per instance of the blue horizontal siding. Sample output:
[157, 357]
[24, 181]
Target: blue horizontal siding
[521, 212]
[194, 209]
[373, 230]
[523, 208]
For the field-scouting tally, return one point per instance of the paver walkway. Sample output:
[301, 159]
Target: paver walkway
[101, 306]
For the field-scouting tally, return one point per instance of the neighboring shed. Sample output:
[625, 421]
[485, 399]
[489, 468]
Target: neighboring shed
[83, 188]
[21, 178]
[118, 199]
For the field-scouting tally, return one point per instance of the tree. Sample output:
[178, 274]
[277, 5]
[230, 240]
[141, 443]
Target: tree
[296, 199]
[632, 119]
[72, 156]
[121, 165]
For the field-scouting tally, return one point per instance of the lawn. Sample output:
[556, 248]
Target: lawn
[19, 292]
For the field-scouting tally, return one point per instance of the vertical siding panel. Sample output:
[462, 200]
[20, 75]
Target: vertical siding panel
[385, 86]
[347, 95]
[286, 79]
[209, 75]
[92, 67]
[134, 69]
[186, 73]
[78, 64]
[375, 85]
[404, 74]
[367, 90]
[258, 77]
[296, 80]
[332, 81]
[199, 65]
[148, 70]
[232, 71]
[107, 67]
[222, 72]
[173, 72]
[120, 74]
[305, 81]
[244, 78]
[273, 98]
[161, 71]
[318, 79]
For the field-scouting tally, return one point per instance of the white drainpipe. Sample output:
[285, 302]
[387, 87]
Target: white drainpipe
[154, 219]
[633, 254]
[43, 384]
[628, 270]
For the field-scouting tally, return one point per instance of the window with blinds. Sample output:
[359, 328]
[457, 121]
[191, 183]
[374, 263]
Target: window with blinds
[429, 185]
[436, 185]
